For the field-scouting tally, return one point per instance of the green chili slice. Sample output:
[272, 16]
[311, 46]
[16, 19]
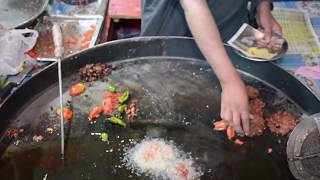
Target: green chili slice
[112, 88]
[121, 108]
[124, 97]
[118, 121]
[104, 137]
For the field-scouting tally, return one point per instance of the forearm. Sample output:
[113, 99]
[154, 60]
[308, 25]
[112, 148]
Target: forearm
[256, 3]
[264, 7]
[207, 37]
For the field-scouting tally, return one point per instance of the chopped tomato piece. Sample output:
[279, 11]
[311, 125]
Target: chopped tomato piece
[77, 89]
[32, 53]
[221, 125]
[12, 133]
[230, 133]
[110, 103]
[107, 106]
[238, 141]
[95, 113]
[67, 113]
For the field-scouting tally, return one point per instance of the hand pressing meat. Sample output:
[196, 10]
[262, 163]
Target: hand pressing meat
[257, 126]
[280, 123]
[257, 122]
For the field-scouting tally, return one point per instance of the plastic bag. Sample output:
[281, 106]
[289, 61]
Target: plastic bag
[13, 45]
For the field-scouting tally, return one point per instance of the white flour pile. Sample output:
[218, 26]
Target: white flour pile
[160, 159]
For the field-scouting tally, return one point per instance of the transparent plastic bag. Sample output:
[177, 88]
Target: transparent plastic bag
[13, 46]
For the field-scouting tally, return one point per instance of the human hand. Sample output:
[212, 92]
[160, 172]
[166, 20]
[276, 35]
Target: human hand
[267, 23]
[274, 46]
[234, 106]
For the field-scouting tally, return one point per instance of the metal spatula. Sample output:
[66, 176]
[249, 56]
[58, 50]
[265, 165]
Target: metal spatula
[57, 39]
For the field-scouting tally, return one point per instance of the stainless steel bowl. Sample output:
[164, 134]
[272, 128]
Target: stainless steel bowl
[19, 13]
[279, 55]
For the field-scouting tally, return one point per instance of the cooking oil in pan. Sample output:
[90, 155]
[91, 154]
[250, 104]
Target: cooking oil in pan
[176, 102]
[87, 157]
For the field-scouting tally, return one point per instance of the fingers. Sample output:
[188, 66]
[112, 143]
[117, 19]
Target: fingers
[227, 115]
[237, 123]
[271, 41]
[245, 122]
[261, 43]
[267, 35]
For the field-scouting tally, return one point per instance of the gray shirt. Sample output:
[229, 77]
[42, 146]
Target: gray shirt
[166, 17]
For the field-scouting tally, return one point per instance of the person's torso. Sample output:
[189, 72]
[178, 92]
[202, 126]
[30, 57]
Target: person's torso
[166, 17]
[229, 15]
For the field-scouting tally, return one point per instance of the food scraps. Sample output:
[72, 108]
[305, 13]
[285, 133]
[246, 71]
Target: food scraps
[49, 130]
[12, 133]
[257, 125]
[93, 72]
[15, 133]
[256, 106]
[281, 122]
[77, 89]
[37, 138]
[238, 142]
[252, 92]
[17, 142]
[131, 111]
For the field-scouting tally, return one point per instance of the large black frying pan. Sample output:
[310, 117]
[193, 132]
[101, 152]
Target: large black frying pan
[178, 97]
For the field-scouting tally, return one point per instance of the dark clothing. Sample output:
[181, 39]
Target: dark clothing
[166, 17]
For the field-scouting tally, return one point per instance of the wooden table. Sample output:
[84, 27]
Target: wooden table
[120, 9]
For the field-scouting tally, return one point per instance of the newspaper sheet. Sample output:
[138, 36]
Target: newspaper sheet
[298, 31]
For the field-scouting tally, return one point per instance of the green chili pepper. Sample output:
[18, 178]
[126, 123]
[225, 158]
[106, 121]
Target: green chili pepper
[112, 88]
[124, 97]
[118, 121]
[104, 137]
[121, 108]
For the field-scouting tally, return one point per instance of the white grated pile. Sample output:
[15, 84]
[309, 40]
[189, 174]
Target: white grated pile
[160, 159]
